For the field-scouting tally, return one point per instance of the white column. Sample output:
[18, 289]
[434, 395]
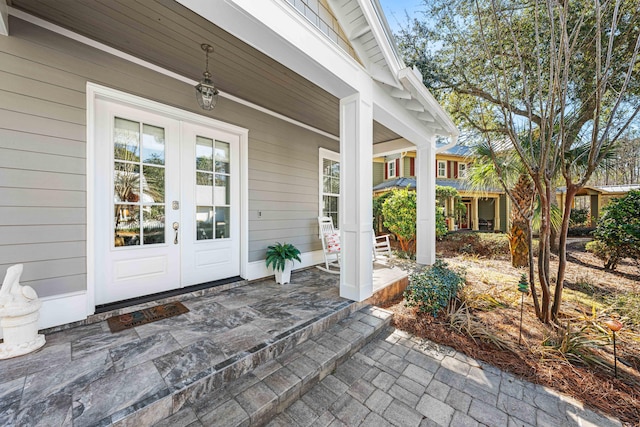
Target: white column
[474, 212]
[496, 215]
[4, 18]
[426, 203]
[356, 211]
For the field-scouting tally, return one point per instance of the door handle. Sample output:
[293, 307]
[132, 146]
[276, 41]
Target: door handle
[176, 226]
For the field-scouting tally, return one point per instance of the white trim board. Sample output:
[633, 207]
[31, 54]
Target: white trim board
[259, 270]
[95, 91]
[127, 57]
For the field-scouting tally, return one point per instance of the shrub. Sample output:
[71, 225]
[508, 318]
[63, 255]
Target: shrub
[431, 290]
[581, 231]
[578, 217]
[619, 229]
[399, 211]
[598, 248]
[441, 223]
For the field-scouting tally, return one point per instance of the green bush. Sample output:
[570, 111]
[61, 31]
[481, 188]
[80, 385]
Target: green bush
[431, 290]
[441, 223]
[619, 229]
[578, 217]
[598, 248]
[399, 212]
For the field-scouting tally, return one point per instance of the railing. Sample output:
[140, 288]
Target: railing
[324, 20]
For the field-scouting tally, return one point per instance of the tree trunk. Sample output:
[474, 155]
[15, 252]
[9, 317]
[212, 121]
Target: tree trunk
[562, 253]
[518, 244]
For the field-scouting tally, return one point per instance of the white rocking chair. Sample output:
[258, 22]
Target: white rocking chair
[330, 245]
[381, 246]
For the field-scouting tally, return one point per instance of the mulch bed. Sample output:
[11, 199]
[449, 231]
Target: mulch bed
[595, 387]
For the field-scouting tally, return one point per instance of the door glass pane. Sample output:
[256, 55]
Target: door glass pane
[222, 222]
[153, 224]
[221, 190]
[152, 184]
[222, 157]
[204, 188]
[126, 182]
[204, 222]
[153, 145]
[138, 183]
[204, 154]
[127, 225]
[126, 139]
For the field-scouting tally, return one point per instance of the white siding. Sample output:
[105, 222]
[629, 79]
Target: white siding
[43, 78]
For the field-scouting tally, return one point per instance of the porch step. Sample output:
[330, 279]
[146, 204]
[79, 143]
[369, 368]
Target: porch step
[255, 397]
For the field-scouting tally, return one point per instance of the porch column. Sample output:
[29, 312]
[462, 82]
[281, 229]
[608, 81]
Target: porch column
[474, 212]
[356, 210]
[426, 203]
[496, 214]
[4, 18]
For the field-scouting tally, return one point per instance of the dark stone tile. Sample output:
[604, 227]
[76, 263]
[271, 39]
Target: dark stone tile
[128, 390]
[55, 410]
[188, 364]
[142, 350]
[66, 378]
[48, 356]
[86, 345]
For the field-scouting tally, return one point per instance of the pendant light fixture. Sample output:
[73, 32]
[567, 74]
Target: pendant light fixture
[206, 92]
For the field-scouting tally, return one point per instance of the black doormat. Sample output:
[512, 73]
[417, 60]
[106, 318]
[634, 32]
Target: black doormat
[147, 315]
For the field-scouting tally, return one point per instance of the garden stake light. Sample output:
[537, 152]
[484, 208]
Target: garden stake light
[523, 287]
[615, 326]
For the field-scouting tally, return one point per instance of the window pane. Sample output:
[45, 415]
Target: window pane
[127, 225]
[153, 145]
[126, 182]
[222, 157]
[222, 223]
[204, 222]
[221, 191]
[204, 154]
[152, 184]
[335, 186]
[153, 224]
[126, 140]
[204, 188]
[326, 184]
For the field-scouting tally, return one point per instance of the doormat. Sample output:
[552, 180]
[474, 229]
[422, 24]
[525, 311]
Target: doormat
[147, 315]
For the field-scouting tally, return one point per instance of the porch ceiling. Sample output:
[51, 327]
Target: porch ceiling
[167, 34]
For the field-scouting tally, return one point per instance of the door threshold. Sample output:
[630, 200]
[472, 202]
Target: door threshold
[118, 305]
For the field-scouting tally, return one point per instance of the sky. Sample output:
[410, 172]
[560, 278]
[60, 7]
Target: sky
[394, 10]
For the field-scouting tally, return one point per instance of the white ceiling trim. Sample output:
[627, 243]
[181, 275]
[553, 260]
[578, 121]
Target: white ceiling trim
[279, 31]
[133, 59]
[4, 18]
[414, 84]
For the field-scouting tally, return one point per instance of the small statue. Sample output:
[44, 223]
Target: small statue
[19, 313]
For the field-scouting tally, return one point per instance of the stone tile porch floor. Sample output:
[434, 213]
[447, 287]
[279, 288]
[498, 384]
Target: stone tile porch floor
[85, 375]
[66, 382]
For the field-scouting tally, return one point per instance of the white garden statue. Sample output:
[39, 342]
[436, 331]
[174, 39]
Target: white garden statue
[19, 312]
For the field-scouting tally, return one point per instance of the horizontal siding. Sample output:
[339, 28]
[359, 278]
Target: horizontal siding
[43, 79]
[17, 235]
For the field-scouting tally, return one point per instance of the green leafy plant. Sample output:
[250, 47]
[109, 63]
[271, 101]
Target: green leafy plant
[278, 254]
[432, 289]
[441, 223]
[399, 211]
[619, 230]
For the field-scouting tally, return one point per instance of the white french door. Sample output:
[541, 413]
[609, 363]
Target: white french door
[166, 203]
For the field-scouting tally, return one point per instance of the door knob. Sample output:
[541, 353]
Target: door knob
[176, 226]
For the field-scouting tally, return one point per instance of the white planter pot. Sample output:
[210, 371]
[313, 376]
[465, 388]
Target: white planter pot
[284, 276]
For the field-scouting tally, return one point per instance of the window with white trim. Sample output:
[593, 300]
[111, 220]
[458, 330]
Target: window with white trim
[442, 169]
[330, 185]
[391, 169]
[462, 170]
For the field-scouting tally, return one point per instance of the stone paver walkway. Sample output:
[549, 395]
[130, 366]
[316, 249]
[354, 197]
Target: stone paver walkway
[404, 381]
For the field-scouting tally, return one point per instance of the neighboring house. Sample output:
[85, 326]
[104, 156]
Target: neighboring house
[485, 210]
[595, 197]
[116, 185]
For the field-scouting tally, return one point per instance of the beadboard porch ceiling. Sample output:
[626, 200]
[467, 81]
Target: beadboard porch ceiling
[165, 33]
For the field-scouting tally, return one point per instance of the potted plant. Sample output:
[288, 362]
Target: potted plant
[280, 257]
